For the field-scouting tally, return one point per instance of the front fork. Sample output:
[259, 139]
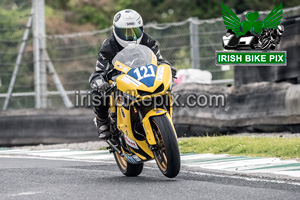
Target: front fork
[150, 138]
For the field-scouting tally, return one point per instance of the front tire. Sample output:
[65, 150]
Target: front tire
[127, 168]
[167, 156]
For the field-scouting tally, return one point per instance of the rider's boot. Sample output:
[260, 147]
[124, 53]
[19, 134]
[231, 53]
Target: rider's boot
[102, 126]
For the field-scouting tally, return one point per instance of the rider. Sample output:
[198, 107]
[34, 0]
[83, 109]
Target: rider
[127, 29]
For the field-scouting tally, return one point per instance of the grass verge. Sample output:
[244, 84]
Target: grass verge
[284, 148]
[103, 148]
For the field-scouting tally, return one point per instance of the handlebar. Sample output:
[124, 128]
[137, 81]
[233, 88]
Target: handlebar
[112, 87]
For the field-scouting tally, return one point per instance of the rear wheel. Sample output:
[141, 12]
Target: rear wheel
[167, 156]
[127, 168]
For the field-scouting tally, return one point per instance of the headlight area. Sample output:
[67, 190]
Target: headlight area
[145, 93]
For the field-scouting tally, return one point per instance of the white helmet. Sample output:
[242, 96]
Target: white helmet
[128, 27]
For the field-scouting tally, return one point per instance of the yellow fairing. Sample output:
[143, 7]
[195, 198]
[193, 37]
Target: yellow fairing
[112, 103]
[149, 133]
[124, 124]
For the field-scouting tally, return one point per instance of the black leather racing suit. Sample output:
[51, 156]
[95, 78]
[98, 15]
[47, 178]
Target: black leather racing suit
[104, 68]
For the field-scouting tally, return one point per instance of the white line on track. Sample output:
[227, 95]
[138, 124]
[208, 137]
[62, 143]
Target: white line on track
[202, 156]
[25, 194]
[247, 164]
[244, 178]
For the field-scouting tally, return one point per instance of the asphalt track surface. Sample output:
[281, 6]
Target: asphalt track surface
[37, 178]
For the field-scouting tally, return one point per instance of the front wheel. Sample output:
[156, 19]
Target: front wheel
[167, 156]
[127, 168]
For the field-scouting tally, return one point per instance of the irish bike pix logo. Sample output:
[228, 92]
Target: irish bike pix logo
[251, 42]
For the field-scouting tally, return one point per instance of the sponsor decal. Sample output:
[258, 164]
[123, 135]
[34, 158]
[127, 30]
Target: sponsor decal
[123, 114]
[132, 158]
[131, 142]
[130, 24]
[135, 82]
[136, 158]
[160, 73]
[127, 79]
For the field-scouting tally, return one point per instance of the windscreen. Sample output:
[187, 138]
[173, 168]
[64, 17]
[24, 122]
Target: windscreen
[134, 56]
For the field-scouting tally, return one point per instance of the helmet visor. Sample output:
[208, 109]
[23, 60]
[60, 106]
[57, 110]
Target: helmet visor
[129, 34]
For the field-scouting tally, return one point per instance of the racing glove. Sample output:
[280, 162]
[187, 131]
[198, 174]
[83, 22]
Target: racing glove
[174, 71]
[100, 85]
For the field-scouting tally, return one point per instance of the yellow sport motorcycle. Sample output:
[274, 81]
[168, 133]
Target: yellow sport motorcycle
[140, 114]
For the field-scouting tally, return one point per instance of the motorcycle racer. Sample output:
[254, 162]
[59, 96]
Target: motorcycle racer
[127, 30]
